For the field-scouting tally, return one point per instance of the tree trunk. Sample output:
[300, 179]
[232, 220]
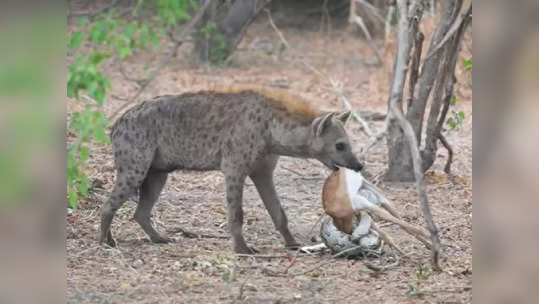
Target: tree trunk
[437, 69]
[221, 32]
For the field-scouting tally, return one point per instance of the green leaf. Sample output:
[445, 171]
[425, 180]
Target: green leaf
[96, 58]
[83, 186]
[98, 32]
[124, 52]
[72, 196]
[130, 30]
[99, 95]
[468, 63]
[460, 116]
[76, 40]
[155, 40]
[451, 123]
[99, 135]
[82, 21]
[83, 154]
[453, 100]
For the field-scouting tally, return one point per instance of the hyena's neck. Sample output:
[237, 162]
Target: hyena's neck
[290, 137]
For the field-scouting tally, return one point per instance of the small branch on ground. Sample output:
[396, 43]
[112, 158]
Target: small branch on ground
[179, 39]
[139, 81]
[445, 143]
[331, 259]
[190, 234]
[262, 256]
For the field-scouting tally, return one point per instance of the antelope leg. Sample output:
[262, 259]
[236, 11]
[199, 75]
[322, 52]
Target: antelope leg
[415, 231]
[387, 239]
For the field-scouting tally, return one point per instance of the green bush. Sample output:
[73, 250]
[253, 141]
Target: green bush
[107, 36]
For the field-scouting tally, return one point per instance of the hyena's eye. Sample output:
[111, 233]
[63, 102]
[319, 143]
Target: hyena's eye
[340, 146]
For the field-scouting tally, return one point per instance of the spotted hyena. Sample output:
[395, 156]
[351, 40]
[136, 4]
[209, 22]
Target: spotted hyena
[241, 131]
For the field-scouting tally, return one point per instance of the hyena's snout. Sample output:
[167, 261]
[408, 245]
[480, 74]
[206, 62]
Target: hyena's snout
[354, 163]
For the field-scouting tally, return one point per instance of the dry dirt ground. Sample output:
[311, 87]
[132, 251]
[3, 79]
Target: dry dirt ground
[204, 269]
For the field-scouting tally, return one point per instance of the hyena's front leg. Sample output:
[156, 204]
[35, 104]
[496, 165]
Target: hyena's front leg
[262, 177]
[234, 196]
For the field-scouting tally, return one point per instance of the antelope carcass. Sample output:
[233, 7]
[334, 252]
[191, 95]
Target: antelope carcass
[351, 203]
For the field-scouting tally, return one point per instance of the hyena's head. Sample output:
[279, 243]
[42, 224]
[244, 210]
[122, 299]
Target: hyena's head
[330, 144]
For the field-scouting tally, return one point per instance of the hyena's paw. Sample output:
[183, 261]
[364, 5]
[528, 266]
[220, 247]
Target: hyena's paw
[108, 240]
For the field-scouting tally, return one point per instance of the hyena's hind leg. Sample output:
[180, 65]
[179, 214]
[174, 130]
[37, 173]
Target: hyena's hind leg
[149, 193]
[130, 173]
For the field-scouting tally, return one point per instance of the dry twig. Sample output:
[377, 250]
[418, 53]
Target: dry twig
[445, 143]
[461, 19]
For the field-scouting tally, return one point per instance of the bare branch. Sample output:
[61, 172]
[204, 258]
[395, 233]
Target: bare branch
[372, 8]
[461, 19]
[279, 33]
[445, 143]
[390, 12]
[414, 67]
[359, 21]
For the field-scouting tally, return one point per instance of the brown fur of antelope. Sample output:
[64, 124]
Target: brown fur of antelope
[239, 130]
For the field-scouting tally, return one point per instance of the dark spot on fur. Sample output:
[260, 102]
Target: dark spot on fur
[128, 139]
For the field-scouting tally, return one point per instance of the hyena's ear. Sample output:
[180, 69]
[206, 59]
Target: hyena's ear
[344, 116]
[321, 123]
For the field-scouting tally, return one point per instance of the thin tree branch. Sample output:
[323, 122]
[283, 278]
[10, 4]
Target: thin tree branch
[279, 33]
[414, 67]
[445, 143]
[387, 27]
[461, 19]
[359, 21]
